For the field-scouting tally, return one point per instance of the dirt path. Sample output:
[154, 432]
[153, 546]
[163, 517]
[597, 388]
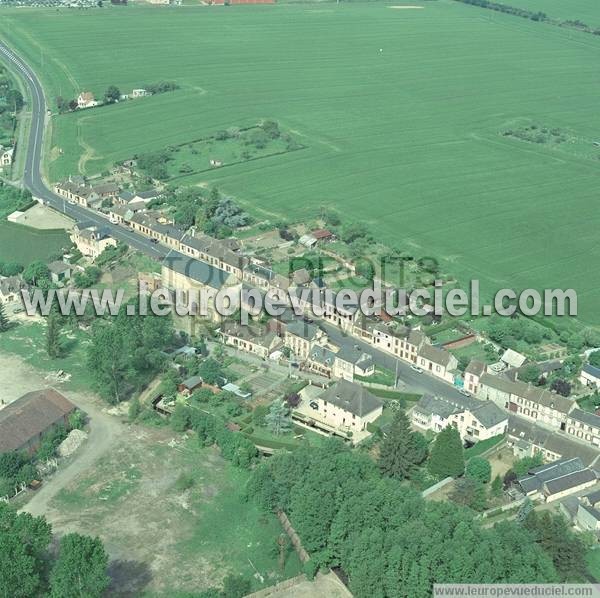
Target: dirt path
[18, 378]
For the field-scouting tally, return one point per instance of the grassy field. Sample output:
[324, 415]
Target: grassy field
[174, 517]
[23, 245]
[402, 112]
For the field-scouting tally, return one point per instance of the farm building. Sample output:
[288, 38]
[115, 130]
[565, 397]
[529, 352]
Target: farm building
[26, 420]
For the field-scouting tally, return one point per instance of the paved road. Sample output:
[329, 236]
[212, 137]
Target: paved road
[34, 181]
[408, 379]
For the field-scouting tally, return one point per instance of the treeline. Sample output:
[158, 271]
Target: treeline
[384, 536]
[532, 15]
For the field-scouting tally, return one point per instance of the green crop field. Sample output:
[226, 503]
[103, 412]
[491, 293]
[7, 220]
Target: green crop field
[403, 113]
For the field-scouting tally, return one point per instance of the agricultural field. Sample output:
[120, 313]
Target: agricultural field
[402, 112]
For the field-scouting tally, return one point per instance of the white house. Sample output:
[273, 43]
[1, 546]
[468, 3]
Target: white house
[438, 362]
[590, 376]
[86, 100]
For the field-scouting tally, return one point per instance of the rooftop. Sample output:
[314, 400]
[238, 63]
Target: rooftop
[352, 398]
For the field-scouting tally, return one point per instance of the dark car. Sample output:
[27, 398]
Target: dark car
[154, 241]
[313, 405]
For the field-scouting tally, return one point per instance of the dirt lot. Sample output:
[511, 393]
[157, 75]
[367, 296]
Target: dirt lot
[42, 217]
[173, 515]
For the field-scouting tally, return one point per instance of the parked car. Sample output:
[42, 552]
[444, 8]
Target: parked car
[153, 240]
[416, 368]
[464, 392]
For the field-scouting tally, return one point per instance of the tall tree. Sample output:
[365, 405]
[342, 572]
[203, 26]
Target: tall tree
[53, 346]
[447, 454]
[23, 543]
[36, 272]
[479, 468]
[80, 570]
[112, 94]
[524, 510]
[278, 419]
[469, 492]
[401, 450]
[4, 321]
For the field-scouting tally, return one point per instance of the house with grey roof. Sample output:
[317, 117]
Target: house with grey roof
[557, 480]
[257, 340]
[475, 420]
[10, 289]
[401, 341]
[590, 376]
[473, 373]
[585, 426]
[352, 361]
[300, 335]
[530, 402]
[344, 409]
[527, 439]
[438, 362]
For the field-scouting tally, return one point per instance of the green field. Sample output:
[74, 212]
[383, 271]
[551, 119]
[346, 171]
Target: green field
[23, 244]
[407, 139]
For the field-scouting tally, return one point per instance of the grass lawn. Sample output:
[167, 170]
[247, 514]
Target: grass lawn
[484, 445]
[24, 245]
[401, 112]
[28, 341]
[175, 514]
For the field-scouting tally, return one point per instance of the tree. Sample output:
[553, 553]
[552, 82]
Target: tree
[4, 321]
[524, 510]
[447, 454]
[36, 272]
[562, 387]
[53, 345]
[401, 451]
[278, 419]
[180, 418]
[479, 469]
[14, 99]
[235, 586]
[530, 373]
[73, 105]
[112, 94]
[23, 543]
[496, 487]
[469, 492]
[61, 104]
[80, 569]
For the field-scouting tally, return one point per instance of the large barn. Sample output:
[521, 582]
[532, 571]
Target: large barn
[24, 421]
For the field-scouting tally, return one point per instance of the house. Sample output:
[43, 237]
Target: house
[106, 190]
[585, 426]
[473, 373]
[155, 226]
[258, 275]
[583, 511]
[213, 251]
[308, 241]
[10, 289]
[256, 341]
[86, 100]
[322, 235]
[91, 240]
[344, 409]
[556, 480]
[400, 341]
[512, 359]
[590, 376]
[438, 362]
[187, 387]
[24, 421]
[299, 336]
[122, 214]
[528, 401]
[527, 439]
[139, 93]
[186, 277]
[59, 272]
[475, 420]
[149, 282]
[76, 191]
[6, 156]
[352, 361]
[319, 360]
[145, 196]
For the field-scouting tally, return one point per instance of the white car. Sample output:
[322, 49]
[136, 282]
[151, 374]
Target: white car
[416, 368]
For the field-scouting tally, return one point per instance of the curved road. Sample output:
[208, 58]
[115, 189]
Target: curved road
[33, 180]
